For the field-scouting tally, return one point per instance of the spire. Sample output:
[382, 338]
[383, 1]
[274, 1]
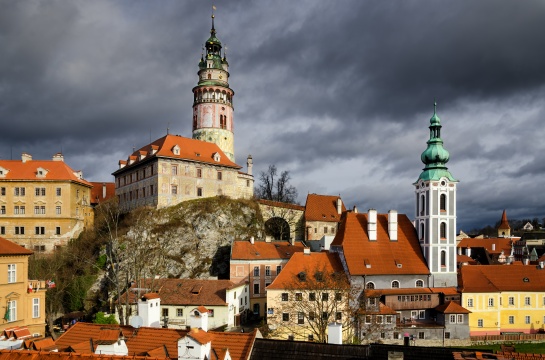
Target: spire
[213, 31]
[504, 224]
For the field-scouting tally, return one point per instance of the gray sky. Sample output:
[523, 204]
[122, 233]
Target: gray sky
[339, 93]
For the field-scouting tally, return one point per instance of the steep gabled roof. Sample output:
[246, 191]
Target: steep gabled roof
[239, 344]
[383, 256]
[323, 208]
[28, 170]
[261, 250]
[97, 192]
[494, 278]
[498, 243]
[450, 307]
[8, 248]
[189, 149]
[504, 225]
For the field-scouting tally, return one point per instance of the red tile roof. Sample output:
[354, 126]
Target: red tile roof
[47, 355]
[200, 336]
[56, 170]
[323, 208]
[8, 248]
[410, 291]
[494, 278]
[281, 204]
[450, 307]
[261, 250]
[239, 344]
[499, 243]
[190, 149]
[504, 223]
[328, 264]
[97, 192]
[382, 255]
[466, 259]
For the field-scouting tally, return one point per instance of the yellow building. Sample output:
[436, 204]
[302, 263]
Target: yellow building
[504, 298]
[22, 301]
[43, 203]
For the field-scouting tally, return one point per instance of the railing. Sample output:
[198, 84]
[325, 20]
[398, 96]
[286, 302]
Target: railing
[508, 337]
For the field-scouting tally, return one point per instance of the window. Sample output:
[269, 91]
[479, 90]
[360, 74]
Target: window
[443, 202]
[270, 311]
[77, 193]
[42, 210]
[165, 311]
[174, 189]
[19, 230]
[211, 312]
[511, 300]
[378, 319]
[58, 230]
[511, 319]
[312, 296]
[452, 319]
[325, 296]
[388, 319]
[372, 301]
[527, 301]
[370, 285]
[2, 230]
[298, 297]
[480, 323]
[59, 191]
[443, 230]
[527, 319]
[40, 191]
[338, 316]
[256, 289]
[39, 230]
[325, 315]
[325, 229]
[422, 231]
[310, 337]
[199, 172]
[39, 248]
[421, 335]
[311, 315]
[220, 175]
[284, 296]
[490, 301]
[469, 302]
[36, 308]
[460, 318]
[179, 312]
[300, 318]
[447, 335]
[12, 273]
[368, 319]
[419, 283]
[443, 258]
[278, 269]
[338, 296]
[422, 314]
[3, 210]
[267, 271]
[395, 284]
[11, 310]
[3, 191]
[174, 170]
[256, 270]
[57, 210]
[285, 317]
[199, 191]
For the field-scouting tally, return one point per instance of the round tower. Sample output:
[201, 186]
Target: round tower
[435, 222]
[213, 98]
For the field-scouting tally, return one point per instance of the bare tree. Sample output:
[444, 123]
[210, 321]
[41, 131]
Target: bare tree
[276, 187]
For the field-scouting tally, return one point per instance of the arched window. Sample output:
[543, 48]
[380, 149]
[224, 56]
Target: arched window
[370, 285]
[419, 283]
[422, 231]
[209, 76]
[422, 205]
[443, 230]
[443, 202]
[443, 258]
[395, 284]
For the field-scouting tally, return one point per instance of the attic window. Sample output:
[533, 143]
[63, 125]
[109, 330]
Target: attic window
[319, 276]
[197, 154]
[196, 289]
[302, 276]
[398, 264]
[367, 263]
[176, 150]
[217, 157]
[526, 279]
[41, 172]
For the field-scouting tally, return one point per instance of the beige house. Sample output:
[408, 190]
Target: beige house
[173, 169]
[43, 203]
[22, 301]
[322, 215]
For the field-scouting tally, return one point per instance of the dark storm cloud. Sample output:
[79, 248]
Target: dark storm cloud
[339, 93]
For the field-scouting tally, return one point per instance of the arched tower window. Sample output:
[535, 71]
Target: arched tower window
[370, 285]
[209, 76]
[443, 230]
[443, 258]
[395, 284]
[223, 121]
[422, 231]
[443, 202]
[422, 205]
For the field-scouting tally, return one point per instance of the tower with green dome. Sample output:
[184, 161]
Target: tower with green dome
[435, 221]
[213, 98]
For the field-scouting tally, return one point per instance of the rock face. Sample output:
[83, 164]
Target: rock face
[192, 239]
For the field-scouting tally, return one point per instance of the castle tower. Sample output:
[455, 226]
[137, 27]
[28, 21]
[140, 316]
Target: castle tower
[504, 230]
[436, 209]
[213, 99]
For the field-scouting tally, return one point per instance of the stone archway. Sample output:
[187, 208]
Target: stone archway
[277, 228]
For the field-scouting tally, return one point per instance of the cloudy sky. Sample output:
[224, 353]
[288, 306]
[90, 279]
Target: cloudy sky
[339, 93]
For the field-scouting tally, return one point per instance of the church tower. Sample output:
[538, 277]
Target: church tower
[213, 98]
[436, 209]
[504, 230]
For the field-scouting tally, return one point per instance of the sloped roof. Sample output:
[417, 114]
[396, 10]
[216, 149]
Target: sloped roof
[56, 171]
[97, 192]
[8, 248]
[261, 250]
[499, 243]
[450, 307]
[328, 264]
[47, 355]
[200, 336]
[504, 223]
[42, 344]
[323, 208]
[494, 278]
[190, 149]
[185, 291]
[381, 255]
[239, 344]
[464, 258]
[281, 204]
[268, 349]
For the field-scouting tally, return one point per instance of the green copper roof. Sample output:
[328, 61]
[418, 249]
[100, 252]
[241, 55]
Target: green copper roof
[435, 156]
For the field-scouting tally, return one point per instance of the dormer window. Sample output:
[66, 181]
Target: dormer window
[3, 172]
[41, 172]
[176, 150]
[216, 157]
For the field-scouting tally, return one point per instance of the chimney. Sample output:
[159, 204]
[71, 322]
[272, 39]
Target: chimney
[460, 251]
[372, 225]
[58, 157]
[252, 240]
[339, 206]
[392, 225]
[541, 264]
[335, 333]
[199, 318]
[249, 164]
[526, 261]
[26, 157]
[104, 190]
[493, 247]
[149, 309]
[355, 210]
[306, 251]
[292, 241]
[468, 251]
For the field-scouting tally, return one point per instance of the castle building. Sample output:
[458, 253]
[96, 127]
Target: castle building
[435, 221]
[174, 168]
[43, 203]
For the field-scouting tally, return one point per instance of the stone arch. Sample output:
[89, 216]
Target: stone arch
[277, 228]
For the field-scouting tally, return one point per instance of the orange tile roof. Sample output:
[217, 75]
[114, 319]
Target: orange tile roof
[281, 204]
[47, 355]
[382, 310]
[186, 291]
[494, 278]
[322, 208]
[8, 248]
[97, 192]
[107, 336]
[504, 223]
[239, 344]
[190, 149]
[41, 344]
[262, 250]
[56, 170]
[450, 307]
[382, 255]
[18, 332]
[324, 262]
[465, 258]
[201, 336]
[499, 243]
